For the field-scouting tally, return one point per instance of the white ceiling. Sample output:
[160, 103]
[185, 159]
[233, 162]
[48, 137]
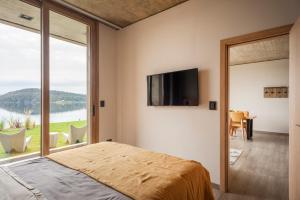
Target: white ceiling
[264, 50]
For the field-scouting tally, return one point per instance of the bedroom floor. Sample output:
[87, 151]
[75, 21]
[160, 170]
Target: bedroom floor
[261, 171]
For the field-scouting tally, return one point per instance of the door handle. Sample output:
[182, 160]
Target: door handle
[298, 125]
[94, 110]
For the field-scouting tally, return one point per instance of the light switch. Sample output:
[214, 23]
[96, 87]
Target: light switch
[212, 105]
[102, 103]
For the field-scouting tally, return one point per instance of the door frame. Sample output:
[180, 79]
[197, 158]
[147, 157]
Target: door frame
[225, 44]
[93, 70]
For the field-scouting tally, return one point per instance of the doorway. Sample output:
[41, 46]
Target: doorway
[225, 93]
[259, 118]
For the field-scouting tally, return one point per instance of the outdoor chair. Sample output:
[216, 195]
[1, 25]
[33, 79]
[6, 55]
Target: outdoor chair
[17, 142]
[76, 135]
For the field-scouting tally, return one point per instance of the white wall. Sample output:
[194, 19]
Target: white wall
[184, 36]
[107, 82]
[247, 84]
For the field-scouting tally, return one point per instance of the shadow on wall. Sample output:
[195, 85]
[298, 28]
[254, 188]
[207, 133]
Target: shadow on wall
[203, 87]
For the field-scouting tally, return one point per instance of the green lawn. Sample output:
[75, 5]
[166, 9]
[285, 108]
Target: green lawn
[36, 136]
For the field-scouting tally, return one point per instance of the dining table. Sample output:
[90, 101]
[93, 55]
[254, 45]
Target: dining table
[249, 128]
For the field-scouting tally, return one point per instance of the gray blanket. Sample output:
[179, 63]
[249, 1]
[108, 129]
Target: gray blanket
[52, 181]
[13, 188]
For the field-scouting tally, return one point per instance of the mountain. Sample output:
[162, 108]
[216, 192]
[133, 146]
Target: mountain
[20, 100]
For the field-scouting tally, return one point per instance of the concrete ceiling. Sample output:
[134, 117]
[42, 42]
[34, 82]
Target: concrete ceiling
[120, 13]
[264, 50]
[10, 11]
[123, 12]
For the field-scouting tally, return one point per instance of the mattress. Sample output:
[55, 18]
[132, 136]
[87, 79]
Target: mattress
[106, 171]
[138, 173]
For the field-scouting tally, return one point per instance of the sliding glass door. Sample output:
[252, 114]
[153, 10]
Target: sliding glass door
[20, 79]
[68, 81]
[48, 79]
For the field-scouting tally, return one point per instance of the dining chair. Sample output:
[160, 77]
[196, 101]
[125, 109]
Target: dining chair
[246, 114]
[237, 121]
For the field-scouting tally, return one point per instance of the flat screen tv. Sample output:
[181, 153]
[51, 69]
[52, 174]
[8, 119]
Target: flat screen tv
[178, 88]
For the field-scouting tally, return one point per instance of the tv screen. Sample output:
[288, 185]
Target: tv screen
[178, 88]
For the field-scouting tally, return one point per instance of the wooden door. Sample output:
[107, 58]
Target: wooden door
[294, 101]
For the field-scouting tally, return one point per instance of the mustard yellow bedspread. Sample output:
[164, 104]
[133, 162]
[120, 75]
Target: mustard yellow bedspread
[138, 173]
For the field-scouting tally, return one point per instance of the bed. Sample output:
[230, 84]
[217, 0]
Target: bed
[106, 171]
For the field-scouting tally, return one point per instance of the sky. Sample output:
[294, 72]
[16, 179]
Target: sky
[20, 62]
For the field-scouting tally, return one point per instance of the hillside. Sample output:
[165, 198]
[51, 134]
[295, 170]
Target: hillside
[18, 101]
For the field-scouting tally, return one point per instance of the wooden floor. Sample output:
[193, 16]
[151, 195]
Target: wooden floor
[261, 172]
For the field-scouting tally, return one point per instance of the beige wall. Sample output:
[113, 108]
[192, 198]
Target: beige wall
[247, 84]
[185, 36]
[107, 82]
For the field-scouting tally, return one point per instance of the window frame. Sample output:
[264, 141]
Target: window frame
[93, 69]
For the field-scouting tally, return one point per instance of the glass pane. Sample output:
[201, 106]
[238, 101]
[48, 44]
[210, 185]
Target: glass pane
[68, 81]
[20, 79]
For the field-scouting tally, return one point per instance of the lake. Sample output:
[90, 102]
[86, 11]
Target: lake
[74, 115]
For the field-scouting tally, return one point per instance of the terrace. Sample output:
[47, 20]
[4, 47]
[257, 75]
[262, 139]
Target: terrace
[34, 145]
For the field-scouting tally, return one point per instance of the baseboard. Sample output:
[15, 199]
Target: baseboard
[215, 186]
[270, 133]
